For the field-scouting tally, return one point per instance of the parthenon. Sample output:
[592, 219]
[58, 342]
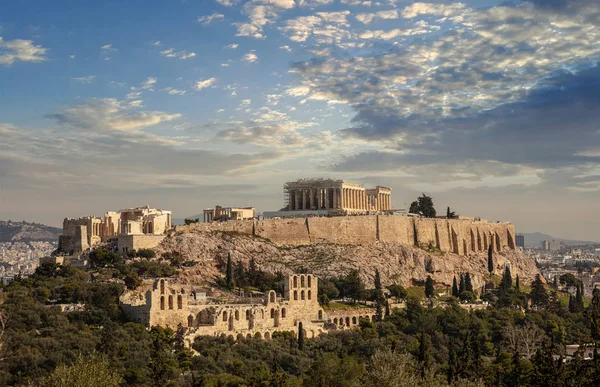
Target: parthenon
[337, 195]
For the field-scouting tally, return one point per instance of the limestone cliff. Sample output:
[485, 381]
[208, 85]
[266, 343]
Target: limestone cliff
[397, 262]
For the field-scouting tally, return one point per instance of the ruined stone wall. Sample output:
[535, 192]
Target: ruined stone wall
[75, 241]
[135, 242]
[459, 236]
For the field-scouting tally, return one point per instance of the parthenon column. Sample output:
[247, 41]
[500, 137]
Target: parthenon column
[335, 198]
[354, 198]
[326, 193]
[344, 198]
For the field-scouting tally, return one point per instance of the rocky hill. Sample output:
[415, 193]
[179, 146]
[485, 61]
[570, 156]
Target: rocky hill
[27, 232]
[397, 263]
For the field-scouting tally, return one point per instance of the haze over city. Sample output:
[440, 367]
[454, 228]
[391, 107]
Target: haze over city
[490, 107]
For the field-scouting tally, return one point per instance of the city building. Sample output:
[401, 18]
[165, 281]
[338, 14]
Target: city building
[166, 304]
[228, 213]
[520, 240]
[551, 245]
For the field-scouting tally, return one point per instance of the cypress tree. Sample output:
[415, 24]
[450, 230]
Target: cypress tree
[538, 295]
[454, 287]
[461, 286]
[229, 273]
[468, 283]
[517, 284]
[451, 374]
[594, 315]
[387, 308]
[423, 356]
[506, 282]
[429, 289]
[571, 304]
[490, 259]
[578, 303]
[300, 336]
[379, 297]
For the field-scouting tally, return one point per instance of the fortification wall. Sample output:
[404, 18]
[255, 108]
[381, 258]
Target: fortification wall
[343, 229]
[458, 236]
[283, 231]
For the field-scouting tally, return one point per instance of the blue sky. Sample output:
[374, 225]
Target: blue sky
[489, 106]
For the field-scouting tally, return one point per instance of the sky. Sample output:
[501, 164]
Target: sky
[491, 107]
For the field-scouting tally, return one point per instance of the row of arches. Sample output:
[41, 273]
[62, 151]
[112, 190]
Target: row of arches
[350, 321]
[303, 283]
[179, 302]
[303, 296]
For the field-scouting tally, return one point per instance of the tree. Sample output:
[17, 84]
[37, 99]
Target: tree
[189, 221]
[468, 283]
[462, 286]
[132, 280]
[146, 253]
[424, 356]
[397, 291]
[300, 336]
[455, 292]
[490, 259]
[91, 372]
[414, 208]
[517, 284]
[102, 257]
[578, 306]
[426, 207]
[429, 289]
[539, 295]
[355, 288]
[379, 297]
[506, 282]
[229, 273]
[451, 214]
[594, 315]
[387, 308]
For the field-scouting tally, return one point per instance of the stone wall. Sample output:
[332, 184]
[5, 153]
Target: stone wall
[135, 242]
[459, 236]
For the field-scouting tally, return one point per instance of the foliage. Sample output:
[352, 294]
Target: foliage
[189, 221]
[429, 289]
[451, 214]
[423, 206]
[146, 253]
[229, 280]
[102, 257]
[490, 259]
[92, 372]
[569, 280]
[538, 295]
[397, 291]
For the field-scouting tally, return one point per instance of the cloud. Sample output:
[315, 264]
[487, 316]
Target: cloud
[250, 57]
[206, 20]
[419, 9]
[108, 48]
[285, 48]
[87, 79]
[171, 53]
[232, 46]
[203, 84]
[157, 43]
[324, 25]
[368, 18]
[228, 3]
[173, 91]
[20, 50]
[149, 83]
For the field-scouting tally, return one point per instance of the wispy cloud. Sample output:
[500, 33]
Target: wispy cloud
[108, 48]
[203, 84]
[20, 50]
[87, 79]
[250, 57]
[171, 53]
[206, 20]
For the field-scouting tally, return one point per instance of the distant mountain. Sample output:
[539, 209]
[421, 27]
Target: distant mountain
[27, 232]
[534, 239]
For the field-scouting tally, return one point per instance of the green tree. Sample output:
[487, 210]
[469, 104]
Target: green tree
[468, 283]
[455, 292]
[451, 214]
[229, 278]
[189, 221]
[132, 280]
[490, 259]
[300, 336]
[426, 207]
[517, 284]
[506, 282]
[102, 257]
[594, 315]
[397, 291]
[379, 297]
[414, 208]
[429, 289]
[146, 253]
[578, 306]
[355, 288]
[85, 372]
[538, 295]
[462, 286]
[424, 356]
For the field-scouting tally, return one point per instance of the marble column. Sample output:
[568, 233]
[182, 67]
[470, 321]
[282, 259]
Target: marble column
[335, 198]
[326, 193]
[304, 199]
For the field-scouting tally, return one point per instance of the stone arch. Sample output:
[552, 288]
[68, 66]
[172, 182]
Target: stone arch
[302, 295]
[347, 321]
[231, 322]
[257, 335]
[276, 321]
[295, 295]
[248, 314]
[354, 320]
[240, 337]
[304, 333]
[267, 335]
[204, 317]
[272, 313]
[180, 302]
[170, 302]
[295, 281]
[225, 316]
[237, 314]
[335, 321]
[249, 336]
[302, 281]
[162, 302]
[162, 286]
[309, 294]
[271, 296]
[283, 312]
[262, 312]
[309, 280]
[190, 321]
[320, 315]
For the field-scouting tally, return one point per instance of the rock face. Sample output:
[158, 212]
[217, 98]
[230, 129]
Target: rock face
[397, 262]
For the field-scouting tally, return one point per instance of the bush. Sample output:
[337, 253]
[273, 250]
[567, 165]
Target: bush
[146, 253]
[102, 257]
